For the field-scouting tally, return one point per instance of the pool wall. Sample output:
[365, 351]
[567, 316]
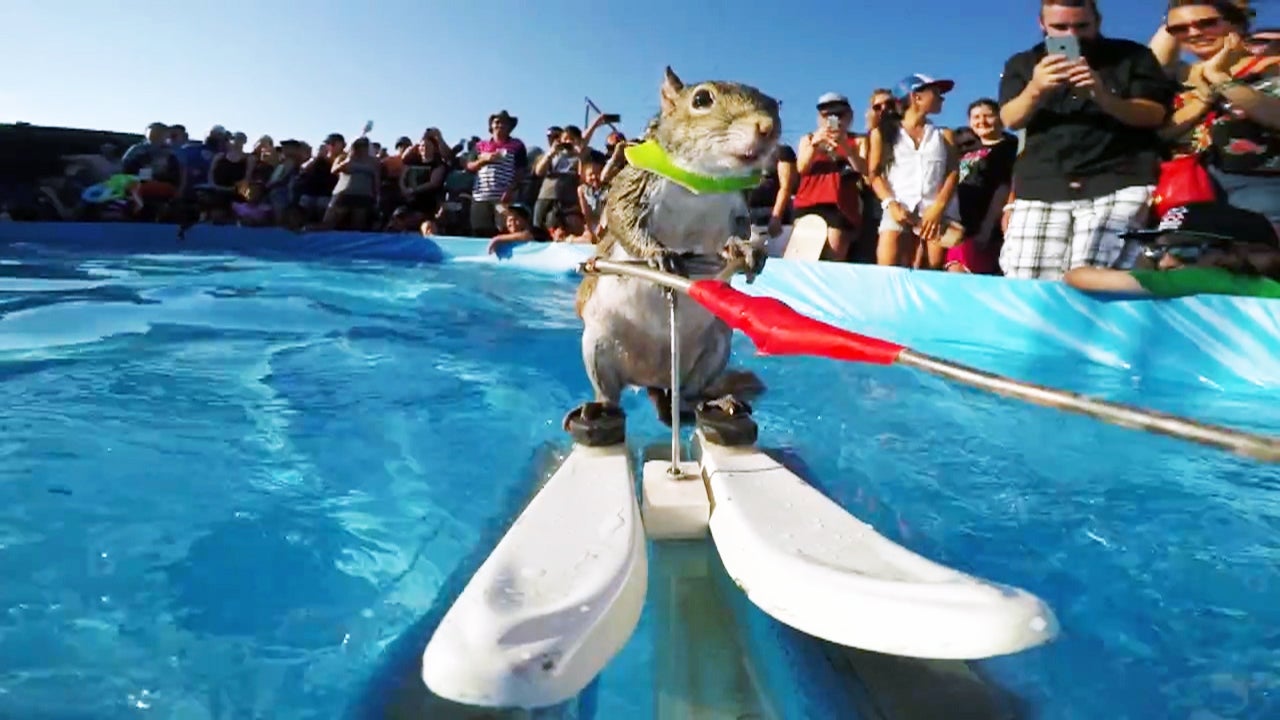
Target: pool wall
[135, 238]
[1223, 342]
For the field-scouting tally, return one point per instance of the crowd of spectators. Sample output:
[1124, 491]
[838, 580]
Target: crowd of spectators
[1114, 134]
[427, 185]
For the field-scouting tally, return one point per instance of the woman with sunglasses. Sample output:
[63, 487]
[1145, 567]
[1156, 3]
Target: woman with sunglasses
[1198, 249]
[830, 165]
[1229, 111]
[1196, 27]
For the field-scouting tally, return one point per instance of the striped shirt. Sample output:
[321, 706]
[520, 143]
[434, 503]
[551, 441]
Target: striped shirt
[499, 176]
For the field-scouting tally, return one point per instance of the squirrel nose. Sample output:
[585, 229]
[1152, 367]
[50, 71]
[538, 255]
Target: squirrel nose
[764, 127]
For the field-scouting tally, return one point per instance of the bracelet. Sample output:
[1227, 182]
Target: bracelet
[884, 204]
[1219, 88]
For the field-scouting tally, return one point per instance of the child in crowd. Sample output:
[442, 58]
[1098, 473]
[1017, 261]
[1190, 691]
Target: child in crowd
[519, 225]
[568, 227]
[592, 194]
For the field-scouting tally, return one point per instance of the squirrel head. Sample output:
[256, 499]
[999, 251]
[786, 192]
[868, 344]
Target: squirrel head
[716, 128]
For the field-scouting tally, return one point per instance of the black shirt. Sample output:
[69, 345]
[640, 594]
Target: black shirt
[317, 179]
[764, 194]
[1074, 150]
[163, 163]
[983, 170]
[417, 172]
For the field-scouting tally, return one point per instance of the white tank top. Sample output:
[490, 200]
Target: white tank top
[916, 174]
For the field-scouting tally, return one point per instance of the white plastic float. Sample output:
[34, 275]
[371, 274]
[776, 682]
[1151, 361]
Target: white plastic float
[558, 597]
[808, 563]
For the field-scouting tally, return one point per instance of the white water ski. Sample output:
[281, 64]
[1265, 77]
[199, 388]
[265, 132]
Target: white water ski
[807, 562]
[558, 597]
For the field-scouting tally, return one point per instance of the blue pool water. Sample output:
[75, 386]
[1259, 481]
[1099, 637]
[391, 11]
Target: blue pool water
[236, 488]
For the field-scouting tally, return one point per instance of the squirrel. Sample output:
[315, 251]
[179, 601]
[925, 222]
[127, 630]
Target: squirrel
[679, 202]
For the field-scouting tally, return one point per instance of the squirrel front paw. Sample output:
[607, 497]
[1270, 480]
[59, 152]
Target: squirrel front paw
[667, 261]
[746, 253]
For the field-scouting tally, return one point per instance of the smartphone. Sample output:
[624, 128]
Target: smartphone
[833, 122]
[612, 118]
[1066, 45]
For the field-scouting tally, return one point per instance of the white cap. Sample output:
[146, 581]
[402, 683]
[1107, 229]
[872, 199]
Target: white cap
[832, 98]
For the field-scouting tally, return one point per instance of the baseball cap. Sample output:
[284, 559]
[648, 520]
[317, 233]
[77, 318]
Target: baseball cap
[1210, 221]
[832, 98]
[518, 209]
[918, 81]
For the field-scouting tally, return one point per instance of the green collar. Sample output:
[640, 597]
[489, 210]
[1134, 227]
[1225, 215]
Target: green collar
[650, 156]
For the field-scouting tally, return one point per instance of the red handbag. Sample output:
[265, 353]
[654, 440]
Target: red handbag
[1183, 180]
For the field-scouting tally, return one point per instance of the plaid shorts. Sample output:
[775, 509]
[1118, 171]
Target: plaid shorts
[1046, 239]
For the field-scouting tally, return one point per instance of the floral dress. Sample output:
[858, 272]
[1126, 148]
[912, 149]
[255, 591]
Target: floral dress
[1228, 139]
[1243, 146]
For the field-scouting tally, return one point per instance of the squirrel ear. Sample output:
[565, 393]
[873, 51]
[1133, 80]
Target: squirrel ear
[671, 87]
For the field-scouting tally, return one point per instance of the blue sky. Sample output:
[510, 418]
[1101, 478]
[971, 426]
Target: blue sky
[303, 69]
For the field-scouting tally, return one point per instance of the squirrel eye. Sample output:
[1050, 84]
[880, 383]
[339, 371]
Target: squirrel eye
[702, 100]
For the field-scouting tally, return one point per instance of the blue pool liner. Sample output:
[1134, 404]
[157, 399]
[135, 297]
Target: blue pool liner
[1226, 343]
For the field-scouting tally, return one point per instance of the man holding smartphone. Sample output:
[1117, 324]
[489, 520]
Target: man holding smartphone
[1090, 107]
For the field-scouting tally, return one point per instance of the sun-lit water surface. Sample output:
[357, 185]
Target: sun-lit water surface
[227, 486]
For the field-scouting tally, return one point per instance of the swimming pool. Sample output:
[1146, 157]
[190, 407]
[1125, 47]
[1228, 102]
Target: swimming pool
[232, 487]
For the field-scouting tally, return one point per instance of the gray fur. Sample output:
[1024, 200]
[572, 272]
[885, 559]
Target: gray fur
[626, 336]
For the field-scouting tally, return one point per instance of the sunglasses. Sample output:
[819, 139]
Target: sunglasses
[880, 106]
[1185, 253]
[1209, 23]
